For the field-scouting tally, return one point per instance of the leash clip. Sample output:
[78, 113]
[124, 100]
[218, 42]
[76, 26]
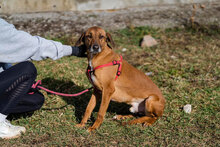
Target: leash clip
[118, 73]
[89, 70]
[114, 62]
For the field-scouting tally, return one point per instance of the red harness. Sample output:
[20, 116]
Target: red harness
[114, 62]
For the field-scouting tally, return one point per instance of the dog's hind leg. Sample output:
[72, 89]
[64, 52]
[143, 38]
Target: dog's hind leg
[154, 107]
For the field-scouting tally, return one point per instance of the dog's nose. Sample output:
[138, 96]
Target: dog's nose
[95, 47]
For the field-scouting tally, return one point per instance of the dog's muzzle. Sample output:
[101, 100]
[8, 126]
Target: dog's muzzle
[95, 49]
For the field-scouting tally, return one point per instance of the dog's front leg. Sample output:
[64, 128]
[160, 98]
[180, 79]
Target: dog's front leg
[106, 97]
[92, 103]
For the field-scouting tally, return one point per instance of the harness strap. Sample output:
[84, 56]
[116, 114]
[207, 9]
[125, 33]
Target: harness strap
[89, 72]
[114, 62]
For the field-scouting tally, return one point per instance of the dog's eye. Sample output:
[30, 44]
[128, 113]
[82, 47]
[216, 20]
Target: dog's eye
[89, 36]
[101, 37]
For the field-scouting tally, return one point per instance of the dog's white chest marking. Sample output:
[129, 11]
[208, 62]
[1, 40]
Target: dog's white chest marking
[92, 74]
[90, 64]
[93, 78]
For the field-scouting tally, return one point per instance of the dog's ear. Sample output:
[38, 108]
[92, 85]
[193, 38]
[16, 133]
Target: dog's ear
[81, 40]
[110, 40]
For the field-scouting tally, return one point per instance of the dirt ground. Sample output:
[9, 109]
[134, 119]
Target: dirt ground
[73, 23]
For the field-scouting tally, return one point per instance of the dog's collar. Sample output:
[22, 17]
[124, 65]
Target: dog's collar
[114, 62]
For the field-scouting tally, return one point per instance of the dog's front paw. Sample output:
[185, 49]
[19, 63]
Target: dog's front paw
[80, 125]
[90, 129]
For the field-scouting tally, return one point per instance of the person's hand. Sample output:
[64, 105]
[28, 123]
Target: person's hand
[79, 51]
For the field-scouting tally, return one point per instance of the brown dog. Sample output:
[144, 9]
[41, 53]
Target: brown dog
[132, 86]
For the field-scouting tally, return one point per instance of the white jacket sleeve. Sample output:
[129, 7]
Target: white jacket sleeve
[17, 46]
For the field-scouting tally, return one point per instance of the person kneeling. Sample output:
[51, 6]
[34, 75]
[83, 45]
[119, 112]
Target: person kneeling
[16, 81]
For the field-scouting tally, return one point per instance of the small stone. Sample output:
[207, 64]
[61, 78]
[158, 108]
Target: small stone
[148, 41]
[149, 73]
[124, 50]
[187, 108]
[202, 6]
[115, 117]
[173, 57]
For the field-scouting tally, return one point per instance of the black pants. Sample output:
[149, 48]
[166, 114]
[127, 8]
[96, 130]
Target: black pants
[15, 84]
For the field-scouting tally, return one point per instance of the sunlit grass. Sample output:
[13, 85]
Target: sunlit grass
[186, 67]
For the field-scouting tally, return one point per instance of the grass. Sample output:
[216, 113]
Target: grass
[186, 67]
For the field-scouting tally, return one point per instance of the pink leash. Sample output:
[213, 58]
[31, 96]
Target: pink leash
[36, 85]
